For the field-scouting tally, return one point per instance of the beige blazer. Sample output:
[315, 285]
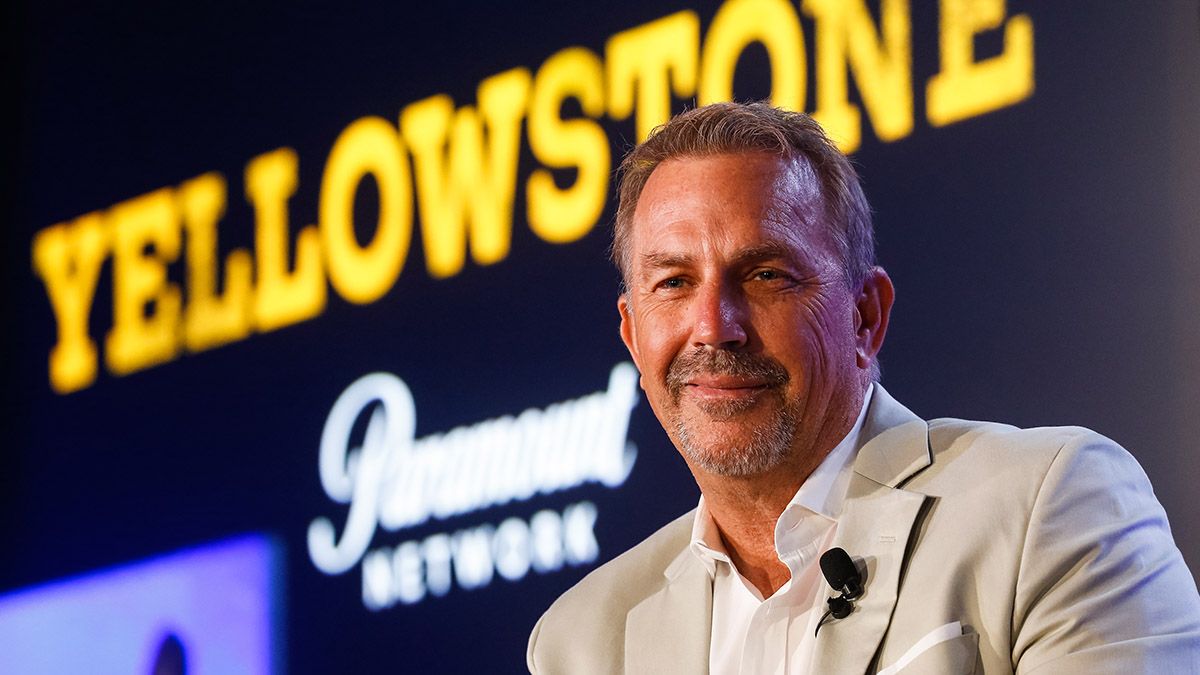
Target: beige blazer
[1046, 545]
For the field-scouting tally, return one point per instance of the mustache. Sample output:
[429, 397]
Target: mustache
[704, 361]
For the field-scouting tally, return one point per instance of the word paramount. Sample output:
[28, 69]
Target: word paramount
[393, 481]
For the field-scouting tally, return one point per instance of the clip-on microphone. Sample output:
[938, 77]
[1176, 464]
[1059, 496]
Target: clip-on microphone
[841, 573]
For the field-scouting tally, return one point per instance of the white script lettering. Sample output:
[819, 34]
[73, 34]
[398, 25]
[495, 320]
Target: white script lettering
[394, 481]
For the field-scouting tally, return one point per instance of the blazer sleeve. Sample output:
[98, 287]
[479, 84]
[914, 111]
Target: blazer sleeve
[1101, 586]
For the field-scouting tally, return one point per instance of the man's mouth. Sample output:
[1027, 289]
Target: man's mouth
[725, 387]
[723, 376]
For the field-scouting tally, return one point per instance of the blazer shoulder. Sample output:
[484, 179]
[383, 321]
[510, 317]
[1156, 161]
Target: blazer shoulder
[589, 619]
[986, 460]
[1003, 442]
[627, 579]
[999, 432]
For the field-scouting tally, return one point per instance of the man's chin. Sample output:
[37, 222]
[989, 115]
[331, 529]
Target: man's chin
[731, 448]
[720, 427]
[734, 439]
[732, 461]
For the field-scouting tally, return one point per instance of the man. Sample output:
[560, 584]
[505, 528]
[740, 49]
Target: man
[754, 312]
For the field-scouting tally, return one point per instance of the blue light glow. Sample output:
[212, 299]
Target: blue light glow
[202, 611]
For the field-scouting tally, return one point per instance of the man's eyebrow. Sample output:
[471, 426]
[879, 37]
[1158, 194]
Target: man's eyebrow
[751, 254]
[767, 251]
[666, 260]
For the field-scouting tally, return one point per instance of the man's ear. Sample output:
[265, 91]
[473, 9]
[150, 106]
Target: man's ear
[628, 330]
[873, 308]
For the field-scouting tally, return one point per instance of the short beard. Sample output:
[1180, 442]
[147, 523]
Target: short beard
[769, 443]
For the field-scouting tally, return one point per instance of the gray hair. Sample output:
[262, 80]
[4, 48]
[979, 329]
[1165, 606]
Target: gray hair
[726, 128]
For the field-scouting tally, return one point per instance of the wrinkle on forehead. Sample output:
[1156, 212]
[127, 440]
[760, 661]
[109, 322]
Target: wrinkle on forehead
[787, 202]
[797, 198]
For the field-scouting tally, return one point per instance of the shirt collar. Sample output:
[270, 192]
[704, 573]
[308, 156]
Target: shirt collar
[706, 539]
[825, 489]
[822, 493]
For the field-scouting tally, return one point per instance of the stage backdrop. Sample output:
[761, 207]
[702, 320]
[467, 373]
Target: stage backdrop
[308, 313]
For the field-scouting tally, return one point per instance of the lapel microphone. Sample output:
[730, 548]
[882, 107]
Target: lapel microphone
[842, 574]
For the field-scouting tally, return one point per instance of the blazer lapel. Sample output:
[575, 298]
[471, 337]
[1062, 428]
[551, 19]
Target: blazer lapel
[669, 631]
[874, 528]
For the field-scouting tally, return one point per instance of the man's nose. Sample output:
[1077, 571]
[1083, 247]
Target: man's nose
[718, 317]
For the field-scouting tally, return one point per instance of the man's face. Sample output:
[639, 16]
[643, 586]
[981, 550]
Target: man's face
[738, 314]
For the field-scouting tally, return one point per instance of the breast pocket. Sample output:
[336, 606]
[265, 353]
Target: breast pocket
[945, 650]
[952, 657]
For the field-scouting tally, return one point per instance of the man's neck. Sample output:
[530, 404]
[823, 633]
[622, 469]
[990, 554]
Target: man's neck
[746, 508]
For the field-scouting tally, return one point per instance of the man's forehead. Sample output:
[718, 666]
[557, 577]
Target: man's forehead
[782, 196]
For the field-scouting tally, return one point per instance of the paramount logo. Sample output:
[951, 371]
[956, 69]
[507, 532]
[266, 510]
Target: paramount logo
[393, 481]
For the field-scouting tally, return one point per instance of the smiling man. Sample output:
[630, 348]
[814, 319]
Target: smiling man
[754, 311]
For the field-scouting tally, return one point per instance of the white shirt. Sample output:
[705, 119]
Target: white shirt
[751, 634]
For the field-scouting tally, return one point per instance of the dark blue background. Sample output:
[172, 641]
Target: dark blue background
[1044, 256]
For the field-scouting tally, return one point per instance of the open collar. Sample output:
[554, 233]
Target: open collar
[670, 630]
